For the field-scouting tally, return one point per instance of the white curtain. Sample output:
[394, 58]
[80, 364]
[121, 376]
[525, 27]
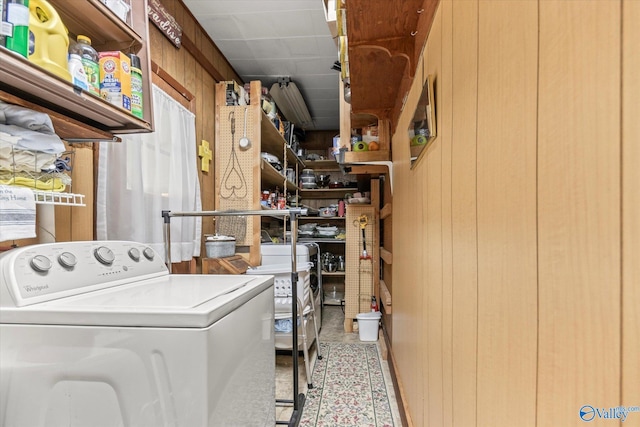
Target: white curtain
[148, 173]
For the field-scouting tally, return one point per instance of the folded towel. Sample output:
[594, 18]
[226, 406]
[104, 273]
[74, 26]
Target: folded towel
[17, 213]
[25, 118]
[34, 129]
[13, 159]
[34, 140]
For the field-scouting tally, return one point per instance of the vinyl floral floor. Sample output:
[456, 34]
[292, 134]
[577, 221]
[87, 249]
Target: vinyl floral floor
[351, 383]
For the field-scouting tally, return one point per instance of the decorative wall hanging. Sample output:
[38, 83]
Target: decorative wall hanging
[165, 22]
[204, 152]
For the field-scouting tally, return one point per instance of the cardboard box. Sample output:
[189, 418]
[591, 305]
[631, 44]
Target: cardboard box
[115, 79]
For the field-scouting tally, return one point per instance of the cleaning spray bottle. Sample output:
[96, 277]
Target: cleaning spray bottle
[136, 86]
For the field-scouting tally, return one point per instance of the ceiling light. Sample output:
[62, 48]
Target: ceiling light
[290, 102]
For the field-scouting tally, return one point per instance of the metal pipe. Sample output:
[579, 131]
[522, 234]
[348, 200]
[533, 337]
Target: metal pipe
[294, 307]
[166, 234]
[269, 212]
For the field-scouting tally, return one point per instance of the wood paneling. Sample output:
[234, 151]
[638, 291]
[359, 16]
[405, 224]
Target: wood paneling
[463, 210]
[506, 206]
[630, 207]
[444, 107]
[82, 176]
[432, 206]
[407, 313]
[196, 66]
[525, 217]
[578, 208]
[431, 174]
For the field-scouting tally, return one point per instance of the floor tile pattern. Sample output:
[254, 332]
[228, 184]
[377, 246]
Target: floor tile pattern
[349, 388]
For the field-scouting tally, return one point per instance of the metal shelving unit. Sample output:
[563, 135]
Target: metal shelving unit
[59, 199]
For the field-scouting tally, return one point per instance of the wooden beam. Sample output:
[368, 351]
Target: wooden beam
[386, 256]
[367, 156]
[385, 211]
[368, 169]
[191, 47]
[383, 345]
[65, 127]
[385, 297]
[171, 81]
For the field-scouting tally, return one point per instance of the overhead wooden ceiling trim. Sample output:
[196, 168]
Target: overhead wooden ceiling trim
[385, 40]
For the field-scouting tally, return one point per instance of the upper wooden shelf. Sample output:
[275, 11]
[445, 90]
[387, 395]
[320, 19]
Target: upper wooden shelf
[108, 32]
[367, 156]
[271, 178]
[385, 40]
[21, 78]
[326, 193]
[322, 165]
[83, 115]
[274, 143]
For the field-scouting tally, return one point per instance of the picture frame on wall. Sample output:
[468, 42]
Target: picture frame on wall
[422, 128]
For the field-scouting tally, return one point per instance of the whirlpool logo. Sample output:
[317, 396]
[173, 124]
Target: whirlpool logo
[590, 413]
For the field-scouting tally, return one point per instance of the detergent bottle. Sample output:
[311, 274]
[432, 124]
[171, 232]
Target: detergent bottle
[48, 39]
[76, 69]
[5, 27]
[17, 20]
[90, 61]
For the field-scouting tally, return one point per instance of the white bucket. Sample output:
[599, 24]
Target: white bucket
[368, 325]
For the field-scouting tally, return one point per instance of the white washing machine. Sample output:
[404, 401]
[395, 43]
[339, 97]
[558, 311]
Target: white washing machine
[100, 334]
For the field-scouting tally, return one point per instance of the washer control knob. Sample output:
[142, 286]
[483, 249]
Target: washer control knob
[67, 260]
[134, 254]
[148, 253]
[104, 255]
[41, 263]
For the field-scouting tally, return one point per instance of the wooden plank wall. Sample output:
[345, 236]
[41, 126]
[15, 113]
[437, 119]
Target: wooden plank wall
[506, 213]
[515, 284]
[630, 204]
[579, 208]
[195, 71]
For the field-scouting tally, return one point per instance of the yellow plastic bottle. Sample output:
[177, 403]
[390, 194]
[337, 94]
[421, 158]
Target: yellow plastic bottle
[48, 39]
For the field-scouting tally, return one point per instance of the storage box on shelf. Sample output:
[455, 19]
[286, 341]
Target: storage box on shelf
[24, 83]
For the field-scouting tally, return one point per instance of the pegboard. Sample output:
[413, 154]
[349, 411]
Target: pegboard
[237, 171]
[360, 274]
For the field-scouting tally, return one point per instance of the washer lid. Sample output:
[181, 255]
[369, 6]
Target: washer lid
[191, 301]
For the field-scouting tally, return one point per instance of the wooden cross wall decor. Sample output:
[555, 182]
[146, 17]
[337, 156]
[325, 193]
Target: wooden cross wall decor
[204, 152]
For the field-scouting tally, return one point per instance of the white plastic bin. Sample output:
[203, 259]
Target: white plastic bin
[368, 325]
[281, 254]
[282, 283]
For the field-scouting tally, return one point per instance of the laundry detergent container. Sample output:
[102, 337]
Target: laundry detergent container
[48, 39]
[368, 325]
